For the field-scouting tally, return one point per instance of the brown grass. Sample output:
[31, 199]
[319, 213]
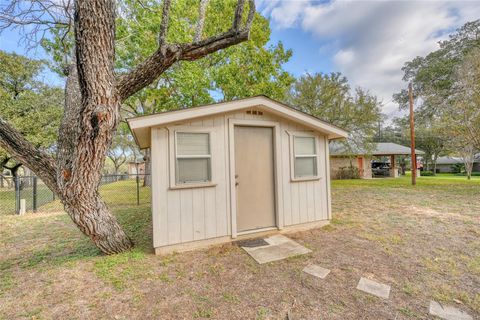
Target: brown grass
[423, 241]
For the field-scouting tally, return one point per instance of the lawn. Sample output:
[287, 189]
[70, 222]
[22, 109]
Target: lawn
[423, 241]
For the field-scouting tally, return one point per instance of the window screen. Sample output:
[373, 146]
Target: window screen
[193, 157]
[305, 157]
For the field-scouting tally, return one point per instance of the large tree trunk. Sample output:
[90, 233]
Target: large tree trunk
[94, 219]
[95, 125]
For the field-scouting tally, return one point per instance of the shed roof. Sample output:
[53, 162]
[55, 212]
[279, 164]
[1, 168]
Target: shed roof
[140, 126]
[380, 149]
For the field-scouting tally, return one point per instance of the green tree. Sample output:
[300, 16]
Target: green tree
[463, 121]
[433, 76]
[328, 97]
[34, 108]
[434, 79]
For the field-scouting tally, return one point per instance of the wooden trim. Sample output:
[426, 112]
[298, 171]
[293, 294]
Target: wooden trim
[276, 162]
[172, 154]
[192, 185]
[291, 135]
[266, 104]
[327, 180]
[257, 230]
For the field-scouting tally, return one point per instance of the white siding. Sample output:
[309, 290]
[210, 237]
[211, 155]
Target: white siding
[184, 215]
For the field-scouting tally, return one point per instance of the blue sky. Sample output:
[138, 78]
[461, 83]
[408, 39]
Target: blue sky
[368, 41]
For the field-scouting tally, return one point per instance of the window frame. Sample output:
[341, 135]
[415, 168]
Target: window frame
[173, 156]
[293, 156]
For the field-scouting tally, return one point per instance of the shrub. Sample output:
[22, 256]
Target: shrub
[426, 173]
[350, 172]
[458, 168]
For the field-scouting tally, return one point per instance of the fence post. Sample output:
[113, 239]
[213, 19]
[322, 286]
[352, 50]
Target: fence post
[16, 182]
[138, 189]
[34, 190]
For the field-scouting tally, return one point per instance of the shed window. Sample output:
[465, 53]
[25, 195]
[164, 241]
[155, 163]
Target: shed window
[305, 157]
[193, 158]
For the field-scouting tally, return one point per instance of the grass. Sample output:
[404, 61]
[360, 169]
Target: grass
[421, 240]
[119, 194]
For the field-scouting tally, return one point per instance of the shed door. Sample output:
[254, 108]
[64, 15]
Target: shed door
[254, 178]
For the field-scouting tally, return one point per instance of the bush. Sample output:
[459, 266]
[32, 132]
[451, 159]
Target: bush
[458, 168]
[348, 173]
[426, 173]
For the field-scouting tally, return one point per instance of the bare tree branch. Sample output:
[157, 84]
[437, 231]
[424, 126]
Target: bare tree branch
[35, 18]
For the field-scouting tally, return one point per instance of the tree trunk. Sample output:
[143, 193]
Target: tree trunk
[94, 219]
[92, 124]
[147, 178]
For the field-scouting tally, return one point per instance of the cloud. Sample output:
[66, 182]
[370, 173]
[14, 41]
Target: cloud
[344, 57]
[369, 41]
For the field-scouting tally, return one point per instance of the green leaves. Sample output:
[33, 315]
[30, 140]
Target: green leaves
[328, 97]
[31, 106]
[243, 70]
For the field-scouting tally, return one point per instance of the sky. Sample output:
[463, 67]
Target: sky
[367, 41]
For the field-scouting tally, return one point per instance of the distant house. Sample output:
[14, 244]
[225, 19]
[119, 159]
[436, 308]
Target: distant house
[136, 167]
[235, 169]
[341, 159]
[446, 164]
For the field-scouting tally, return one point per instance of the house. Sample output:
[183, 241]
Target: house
[341, 158]
[447, 163]
[136, 167]
[235, 169]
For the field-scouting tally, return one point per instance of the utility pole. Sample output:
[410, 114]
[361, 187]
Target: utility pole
[412, 136]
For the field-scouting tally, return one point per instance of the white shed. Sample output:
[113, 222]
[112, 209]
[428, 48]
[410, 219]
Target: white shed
[236, 168]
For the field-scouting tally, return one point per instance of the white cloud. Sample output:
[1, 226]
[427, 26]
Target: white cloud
[371, 40]
[344, 57]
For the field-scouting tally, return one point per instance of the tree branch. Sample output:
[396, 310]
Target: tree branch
[164, 24]
[201, 20]
[166, 55]
[22, 150]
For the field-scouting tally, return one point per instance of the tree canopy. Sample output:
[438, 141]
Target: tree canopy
[33, 107]
[329, 97]
[250, 68]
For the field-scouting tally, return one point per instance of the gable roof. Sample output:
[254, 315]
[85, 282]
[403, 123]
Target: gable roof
[140, 126]
[380, 149]
[449, 160]
[454, 160]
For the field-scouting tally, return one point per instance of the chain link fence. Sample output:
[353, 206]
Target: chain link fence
[23, 194]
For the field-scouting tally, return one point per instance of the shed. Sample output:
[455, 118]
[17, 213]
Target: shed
[233, 169]
[361, 159]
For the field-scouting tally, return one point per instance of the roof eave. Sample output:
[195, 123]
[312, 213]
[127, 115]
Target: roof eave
[168, 118]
